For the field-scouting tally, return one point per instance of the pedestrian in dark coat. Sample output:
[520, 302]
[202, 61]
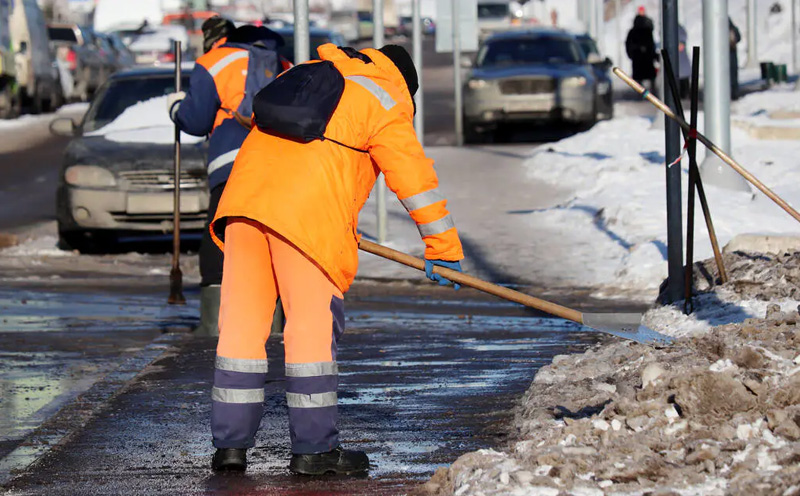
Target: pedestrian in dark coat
[641, 49]
[735, 38]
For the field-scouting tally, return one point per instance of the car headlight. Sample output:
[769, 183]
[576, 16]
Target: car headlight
[476, 84]
[573, 82]
[89, 176]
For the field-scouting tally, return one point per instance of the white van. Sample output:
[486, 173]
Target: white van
[36, 72]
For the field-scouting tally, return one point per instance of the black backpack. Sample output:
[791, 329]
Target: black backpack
[299, 104]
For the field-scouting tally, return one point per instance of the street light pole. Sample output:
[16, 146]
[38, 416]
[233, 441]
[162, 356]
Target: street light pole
[378, 42]
[752, 35]
[419, 122]
[618, 27]
[717, 95]
[669, 37]
[302, 43]
[794, 36]
[457, 74]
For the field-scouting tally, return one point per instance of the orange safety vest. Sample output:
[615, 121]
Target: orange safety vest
[311, 194]
[228, 67]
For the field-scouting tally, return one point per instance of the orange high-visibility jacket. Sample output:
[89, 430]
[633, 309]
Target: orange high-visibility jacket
[311, 193]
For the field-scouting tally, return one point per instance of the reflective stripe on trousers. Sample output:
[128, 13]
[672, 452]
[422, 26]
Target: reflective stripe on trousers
[311, 397]
[237, 401]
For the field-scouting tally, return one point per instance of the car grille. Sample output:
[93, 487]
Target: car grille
[157, 218]
[528, 86]
[162, 179]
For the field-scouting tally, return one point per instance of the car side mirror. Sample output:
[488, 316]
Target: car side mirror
[63, 126]
[595, 58]
[466, 62]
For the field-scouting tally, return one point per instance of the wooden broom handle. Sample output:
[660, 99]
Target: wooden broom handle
[711, 146]
[473, 282]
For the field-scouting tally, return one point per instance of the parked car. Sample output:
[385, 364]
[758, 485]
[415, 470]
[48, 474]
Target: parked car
[107, 54]
[109, 188]
[602, 71]
[406, 26]
[74, 46]
[36, 73]
[153, 46]
[345, 22]
[124, 56]
[10, 100]
[317, 37]
[538, 75]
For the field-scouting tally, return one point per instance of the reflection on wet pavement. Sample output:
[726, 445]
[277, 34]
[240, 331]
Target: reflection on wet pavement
[54, 346]
[417, 389]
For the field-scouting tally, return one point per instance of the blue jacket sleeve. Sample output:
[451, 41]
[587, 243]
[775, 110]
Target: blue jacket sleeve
[198, 110]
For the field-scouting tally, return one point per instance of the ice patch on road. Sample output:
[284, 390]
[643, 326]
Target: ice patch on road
[145, 122]
[43, 246]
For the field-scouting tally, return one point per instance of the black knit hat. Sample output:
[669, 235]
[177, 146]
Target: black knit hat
[214, 29]
[402, 60]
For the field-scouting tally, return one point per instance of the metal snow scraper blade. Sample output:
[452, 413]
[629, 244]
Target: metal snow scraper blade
[624, 325]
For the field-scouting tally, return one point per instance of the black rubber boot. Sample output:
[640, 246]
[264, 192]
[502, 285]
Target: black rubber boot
[229, 460]
[338, 461]
[209, 312]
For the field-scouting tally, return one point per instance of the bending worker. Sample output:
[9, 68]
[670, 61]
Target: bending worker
[238, 62]
[288, 222]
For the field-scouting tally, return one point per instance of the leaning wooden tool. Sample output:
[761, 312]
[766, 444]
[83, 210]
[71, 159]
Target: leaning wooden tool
[624, 325]
[711, 146]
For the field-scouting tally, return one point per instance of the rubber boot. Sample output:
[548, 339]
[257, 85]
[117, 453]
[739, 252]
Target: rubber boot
[229, 460]
[209, 312]
[338, 461]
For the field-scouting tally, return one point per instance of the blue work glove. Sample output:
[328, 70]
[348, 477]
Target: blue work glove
[436, 277]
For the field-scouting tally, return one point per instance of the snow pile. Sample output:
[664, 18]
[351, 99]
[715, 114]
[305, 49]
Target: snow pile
[713, 414]
[618, 205]
[42, 246]
[145, 122]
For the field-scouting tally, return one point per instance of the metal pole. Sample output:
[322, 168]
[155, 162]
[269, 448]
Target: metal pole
[794, 35]
[669, 33]
[378, 42]
[618, 27]
[599, 18]
[302, 42]
[419, 122]
[457, 74]
[175, 274]
[752, 35]
[717, 95]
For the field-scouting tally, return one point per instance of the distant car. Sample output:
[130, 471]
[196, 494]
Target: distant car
[109, 188]
[405, 28]
[73, 45]
[539, 75]
[107, 54]
[124, 57]
[317, 36]
[153, 46]
[602, 71]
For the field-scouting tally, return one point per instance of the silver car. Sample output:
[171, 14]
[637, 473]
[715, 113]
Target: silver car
[531, 76]
[109, 189]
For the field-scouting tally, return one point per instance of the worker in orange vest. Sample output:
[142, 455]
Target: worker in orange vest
[238, 62]
[287, 221]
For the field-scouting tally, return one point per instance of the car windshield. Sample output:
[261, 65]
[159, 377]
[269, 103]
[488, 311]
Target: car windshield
[287, 50]
[588, 46]
[117, 95]
[492, 10]
[62, 34]
[525, 51]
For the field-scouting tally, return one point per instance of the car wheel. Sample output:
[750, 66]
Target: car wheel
[473, 135]
[11, 105]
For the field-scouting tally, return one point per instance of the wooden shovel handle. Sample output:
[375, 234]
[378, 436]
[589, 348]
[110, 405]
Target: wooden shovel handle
[473, 282]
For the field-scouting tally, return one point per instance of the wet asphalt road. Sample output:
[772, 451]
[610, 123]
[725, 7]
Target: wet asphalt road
[424, 378]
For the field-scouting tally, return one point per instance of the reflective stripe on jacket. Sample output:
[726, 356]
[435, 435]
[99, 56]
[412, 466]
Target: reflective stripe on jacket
[311, 194]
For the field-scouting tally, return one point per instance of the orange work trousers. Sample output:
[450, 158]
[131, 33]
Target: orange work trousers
[259, 267]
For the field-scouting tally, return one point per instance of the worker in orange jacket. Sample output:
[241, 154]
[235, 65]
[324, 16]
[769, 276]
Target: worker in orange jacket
[287, 221]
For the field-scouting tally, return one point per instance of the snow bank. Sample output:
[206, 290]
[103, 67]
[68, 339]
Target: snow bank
[716, 413]
[145, 122]
[42, 246]
[619, 200]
